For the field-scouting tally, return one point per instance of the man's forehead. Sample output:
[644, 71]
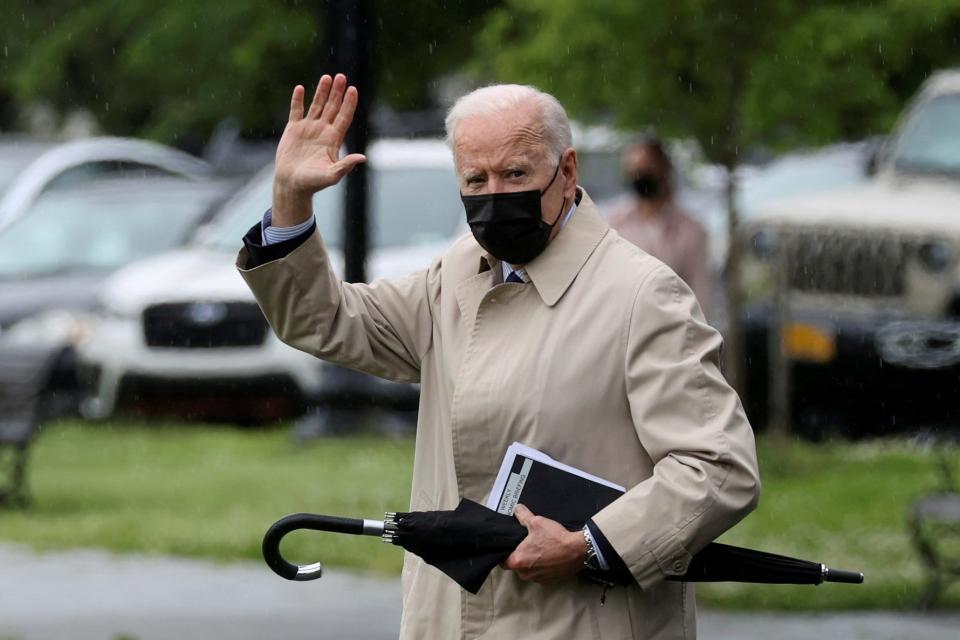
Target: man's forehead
[503, 137]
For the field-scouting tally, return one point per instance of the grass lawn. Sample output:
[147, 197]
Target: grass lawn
[211, 492]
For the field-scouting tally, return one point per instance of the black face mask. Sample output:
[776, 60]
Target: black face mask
[647, 186]
[510, 225]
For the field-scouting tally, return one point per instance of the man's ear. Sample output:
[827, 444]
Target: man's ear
[569, 169]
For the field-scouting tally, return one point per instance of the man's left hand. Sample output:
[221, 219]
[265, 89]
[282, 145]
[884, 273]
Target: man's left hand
[549, 552]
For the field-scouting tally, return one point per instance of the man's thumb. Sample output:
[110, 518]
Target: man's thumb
[523, 515]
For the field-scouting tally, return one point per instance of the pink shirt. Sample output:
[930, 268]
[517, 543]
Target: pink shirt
[671, 236]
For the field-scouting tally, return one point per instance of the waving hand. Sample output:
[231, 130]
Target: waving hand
[308, 157]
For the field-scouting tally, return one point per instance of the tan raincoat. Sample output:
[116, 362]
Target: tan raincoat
[603, 362]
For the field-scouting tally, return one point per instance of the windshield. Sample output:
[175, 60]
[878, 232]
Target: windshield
[70, 230]
[930, 139]
[12, 162]
[409, 207]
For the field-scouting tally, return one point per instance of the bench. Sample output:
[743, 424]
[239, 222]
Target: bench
[24, 373]
[934, 523]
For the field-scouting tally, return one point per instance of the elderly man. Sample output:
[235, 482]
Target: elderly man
[544, 327]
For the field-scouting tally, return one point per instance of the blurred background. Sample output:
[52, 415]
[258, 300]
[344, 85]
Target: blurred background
[148, 413]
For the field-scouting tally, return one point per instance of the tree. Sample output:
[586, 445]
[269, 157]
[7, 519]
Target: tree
[171, 70]
[731, 74]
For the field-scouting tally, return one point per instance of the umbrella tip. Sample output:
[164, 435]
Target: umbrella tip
[848, 577]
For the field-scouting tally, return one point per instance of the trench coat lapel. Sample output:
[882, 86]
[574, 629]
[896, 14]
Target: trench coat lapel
[554, 270]
[470, 292]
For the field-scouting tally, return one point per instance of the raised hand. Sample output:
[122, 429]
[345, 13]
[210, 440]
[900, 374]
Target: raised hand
[308, 156]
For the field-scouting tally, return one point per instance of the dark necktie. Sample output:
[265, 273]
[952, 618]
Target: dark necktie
[513, 277]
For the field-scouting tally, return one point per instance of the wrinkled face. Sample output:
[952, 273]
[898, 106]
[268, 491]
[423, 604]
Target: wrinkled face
[506, 152]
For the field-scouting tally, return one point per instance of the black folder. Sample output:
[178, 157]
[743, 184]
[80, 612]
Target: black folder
[549, 488]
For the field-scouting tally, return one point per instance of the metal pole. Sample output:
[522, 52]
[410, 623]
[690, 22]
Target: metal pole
[349, 41]
[779, 360]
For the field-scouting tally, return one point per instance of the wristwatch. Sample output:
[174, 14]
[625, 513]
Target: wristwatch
[591, 561]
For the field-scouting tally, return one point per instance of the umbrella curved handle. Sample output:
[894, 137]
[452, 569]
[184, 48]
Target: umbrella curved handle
[315, 522]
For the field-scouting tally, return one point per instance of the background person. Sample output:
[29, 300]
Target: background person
[540, 327]
[651, 219]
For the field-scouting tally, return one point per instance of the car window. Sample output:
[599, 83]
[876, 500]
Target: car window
[10, 166]
[600, 173]
[14, 158]
[408, 207]
[414, 207]
[103, 169]
[930, 139]
[239, 214]
[68, 230]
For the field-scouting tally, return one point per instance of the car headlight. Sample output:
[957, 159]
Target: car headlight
[57, 326]
[106, 311]
[935, 256]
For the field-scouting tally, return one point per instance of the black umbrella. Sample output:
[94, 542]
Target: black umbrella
[468, 542]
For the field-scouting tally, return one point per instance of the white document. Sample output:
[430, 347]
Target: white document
[508, 486]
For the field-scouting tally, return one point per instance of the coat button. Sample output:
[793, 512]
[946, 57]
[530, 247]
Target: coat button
[679, 566]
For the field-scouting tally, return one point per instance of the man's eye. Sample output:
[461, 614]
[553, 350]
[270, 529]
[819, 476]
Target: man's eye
[517, 173]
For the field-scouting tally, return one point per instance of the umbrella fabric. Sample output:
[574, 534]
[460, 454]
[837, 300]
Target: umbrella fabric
[723, 563]
[466, 543]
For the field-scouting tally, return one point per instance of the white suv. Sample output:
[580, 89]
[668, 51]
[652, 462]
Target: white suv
[185, 326]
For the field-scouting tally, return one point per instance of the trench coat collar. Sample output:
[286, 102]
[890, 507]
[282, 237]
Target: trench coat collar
[554, 270]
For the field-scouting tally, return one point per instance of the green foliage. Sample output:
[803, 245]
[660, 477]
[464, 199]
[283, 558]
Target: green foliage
[729, 73]
[171, 70]
[421, 41]
[167, 70]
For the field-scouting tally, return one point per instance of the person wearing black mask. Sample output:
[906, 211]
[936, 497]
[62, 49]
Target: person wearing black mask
[650, 218]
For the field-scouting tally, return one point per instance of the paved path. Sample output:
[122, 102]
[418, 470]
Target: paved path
[92, 595]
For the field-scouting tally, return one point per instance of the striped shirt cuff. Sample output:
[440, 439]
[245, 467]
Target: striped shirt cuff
[273, 235]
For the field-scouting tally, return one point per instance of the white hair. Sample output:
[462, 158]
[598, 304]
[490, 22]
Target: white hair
[497, 98]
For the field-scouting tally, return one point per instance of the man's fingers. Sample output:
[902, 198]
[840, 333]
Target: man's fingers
[332, 107]
[296, 104]
[346, 164]
[345, 116]
[320, 97]
[523, 515]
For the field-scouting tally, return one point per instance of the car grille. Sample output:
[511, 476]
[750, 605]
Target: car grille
[204, 325]
[859, 264]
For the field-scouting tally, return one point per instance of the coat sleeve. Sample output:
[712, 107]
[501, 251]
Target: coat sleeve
[690, 421]
[383, 328]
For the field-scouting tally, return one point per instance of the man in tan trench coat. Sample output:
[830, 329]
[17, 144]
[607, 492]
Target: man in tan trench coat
[569, 340]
